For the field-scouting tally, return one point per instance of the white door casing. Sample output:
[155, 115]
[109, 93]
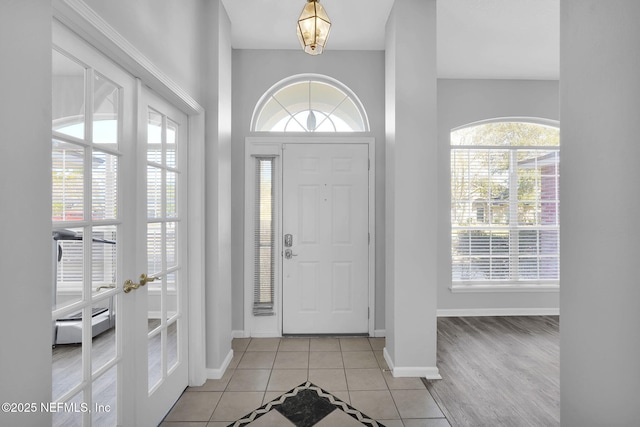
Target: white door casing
[354, 158]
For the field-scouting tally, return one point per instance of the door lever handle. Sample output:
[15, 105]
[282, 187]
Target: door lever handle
[129, 284]
[288, 254]
[109, 286]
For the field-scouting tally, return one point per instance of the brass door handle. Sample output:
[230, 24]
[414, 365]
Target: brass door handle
[129, 285]
[109, 286]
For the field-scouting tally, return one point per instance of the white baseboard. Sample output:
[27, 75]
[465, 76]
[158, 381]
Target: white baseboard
[238, 334]
[471, 312]
[428, 372]
[379, 333]
[216, 374]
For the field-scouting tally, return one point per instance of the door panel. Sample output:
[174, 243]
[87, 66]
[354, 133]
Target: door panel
[162, 336]
[326, 209]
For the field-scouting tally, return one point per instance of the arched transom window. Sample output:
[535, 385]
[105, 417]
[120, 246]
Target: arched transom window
[309, 103]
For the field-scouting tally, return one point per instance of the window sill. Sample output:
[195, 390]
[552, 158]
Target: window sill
[460, 288]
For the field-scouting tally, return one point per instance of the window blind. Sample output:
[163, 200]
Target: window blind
[264, 229]
[505, 204]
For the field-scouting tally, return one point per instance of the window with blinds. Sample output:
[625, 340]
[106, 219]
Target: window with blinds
[505, 204]
[264, 239]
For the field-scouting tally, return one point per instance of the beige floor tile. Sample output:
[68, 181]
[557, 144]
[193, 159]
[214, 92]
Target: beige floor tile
[264, 344]
[294, 344]
[392, 423]
[325, 359]
[194, 406]
[377, 343]
[215, 385]
[342, 395]
[355, 344]
[403, 383]
[234, 405]
[240, 344]
[426, 422]
[378, 405]
[249, 380]
[291, 360]
[365, 379]
[257, 360]
[237, 356]
[324, 344]
[380, 358]
[270, 395]
[272, 418]
[186, 424]
[331, 380]
[285, 379]
[338, 418]
[416, 404]
[359, 359]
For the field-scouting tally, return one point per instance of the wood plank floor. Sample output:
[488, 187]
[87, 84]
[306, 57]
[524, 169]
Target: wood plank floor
[499, 371]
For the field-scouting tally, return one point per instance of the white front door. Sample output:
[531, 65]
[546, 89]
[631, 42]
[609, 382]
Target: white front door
[325, 218]
[118, 176]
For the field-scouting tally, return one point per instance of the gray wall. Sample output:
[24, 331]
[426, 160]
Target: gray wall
[461, 102]
[25, 213]
[254, 72]
[600, 296]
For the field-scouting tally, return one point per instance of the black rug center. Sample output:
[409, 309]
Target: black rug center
[306, 408]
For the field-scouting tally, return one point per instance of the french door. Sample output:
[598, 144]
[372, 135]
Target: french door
[325, 223]
[118, 176]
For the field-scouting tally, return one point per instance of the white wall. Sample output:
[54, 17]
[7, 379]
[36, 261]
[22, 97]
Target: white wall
[26, 264]
[461, 102]
[254, 72]
[600, 293]
[167, 32]
[217, 88]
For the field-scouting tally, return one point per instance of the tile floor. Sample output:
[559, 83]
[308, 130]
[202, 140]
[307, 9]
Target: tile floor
[352, 369]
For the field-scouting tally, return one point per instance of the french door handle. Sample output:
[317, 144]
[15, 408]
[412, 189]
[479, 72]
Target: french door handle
[109, 286]
[129, 284]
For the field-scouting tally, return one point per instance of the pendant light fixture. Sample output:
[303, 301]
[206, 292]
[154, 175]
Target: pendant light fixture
[313, 27]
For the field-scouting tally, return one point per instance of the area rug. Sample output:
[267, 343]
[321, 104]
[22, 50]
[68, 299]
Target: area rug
[306, 406]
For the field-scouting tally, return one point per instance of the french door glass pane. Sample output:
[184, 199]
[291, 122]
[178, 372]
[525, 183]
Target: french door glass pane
[104, 258]
[172, 134]
[154, 137]
[103, 344]
[154, 247]
[103, 409]
[104, 186]
[154, 352]
[106, 105]
[154, 192]
[69, 417]
[66, 370]
[68, 101]
[67, 163]
[172, 345]
[68, 257]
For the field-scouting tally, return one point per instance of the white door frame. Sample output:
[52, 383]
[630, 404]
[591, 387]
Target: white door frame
[271, 326]
[79, 17]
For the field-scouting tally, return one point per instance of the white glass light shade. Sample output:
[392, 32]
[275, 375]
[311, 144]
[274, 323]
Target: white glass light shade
[313, 28]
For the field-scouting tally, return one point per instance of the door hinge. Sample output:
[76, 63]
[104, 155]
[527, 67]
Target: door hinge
[368, 312]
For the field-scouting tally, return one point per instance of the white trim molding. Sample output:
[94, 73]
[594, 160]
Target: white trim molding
[428, 372]
[217, 373]
[479, 312]
[380, 333]
[271, 326]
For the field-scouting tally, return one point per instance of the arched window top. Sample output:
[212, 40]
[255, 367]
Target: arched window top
[309, 103]
[517, 132]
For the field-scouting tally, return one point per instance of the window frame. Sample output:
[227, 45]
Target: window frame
[308, 77]
[511, 284]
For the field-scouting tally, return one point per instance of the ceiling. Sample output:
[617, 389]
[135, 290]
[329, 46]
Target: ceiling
[518, 39]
